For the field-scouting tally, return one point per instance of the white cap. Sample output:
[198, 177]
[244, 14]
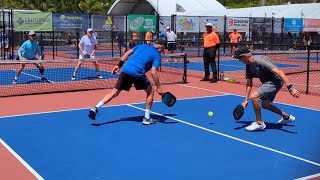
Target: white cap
[31, 33]
[168, 27]
[89, 30]
[209, 24]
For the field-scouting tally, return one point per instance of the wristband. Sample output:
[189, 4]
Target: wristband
[290, 87]
[120, 64]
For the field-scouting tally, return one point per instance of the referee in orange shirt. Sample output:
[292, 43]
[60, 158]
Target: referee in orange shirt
[210, 43]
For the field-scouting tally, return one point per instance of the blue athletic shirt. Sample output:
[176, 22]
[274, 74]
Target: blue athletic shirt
[144, 57]
[29, 49]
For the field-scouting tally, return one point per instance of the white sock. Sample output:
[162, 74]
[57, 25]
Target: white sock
[99, 104]
[74, 73]
[147, 114]
[15, 77]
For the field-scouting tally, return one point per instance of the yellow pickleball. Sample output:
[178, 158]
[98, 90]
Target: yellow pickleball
[210, 113]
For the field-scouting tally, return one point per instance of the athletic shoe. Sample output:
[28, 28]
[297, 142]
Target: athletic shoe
[175, 60]
[214, 80]
[99, 76]
[205, 79]
[254, 126]
[14, 81]
[45, 80]
[148, 121]
[73, 78]
[286, 121]
[93, 113]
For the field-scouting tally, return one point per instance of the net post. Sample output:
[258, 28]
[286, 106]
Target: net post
[308, 70]
[185, 62]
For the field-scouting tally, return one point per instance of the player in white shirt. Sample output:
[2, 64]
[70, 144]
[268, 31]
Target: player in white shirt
[171, 42]
[87, 47]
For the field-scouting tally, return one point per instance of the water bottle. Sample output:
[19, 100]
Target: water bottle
[221, 76]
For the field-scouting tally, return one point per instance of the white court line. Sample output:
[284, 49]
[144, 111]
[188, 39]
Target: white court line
[231, 137]
[205, 89]
[34, 76]
[24, 163]
[309, 177]
[76, 109]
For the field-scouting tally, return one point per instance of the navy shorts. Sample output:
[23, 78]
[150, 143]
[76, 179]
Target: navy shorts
[125, 82]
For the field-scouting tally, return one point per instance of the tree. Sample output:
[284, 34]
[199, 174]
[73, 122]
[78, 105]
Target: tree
[91, 6]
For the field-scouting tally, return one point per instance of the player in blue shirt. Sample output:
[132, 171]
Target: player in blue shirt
[143, 58]
[27, 51]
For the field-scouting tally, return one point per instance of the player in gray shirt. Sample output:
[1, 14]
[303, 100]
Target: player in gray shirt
[272, 79]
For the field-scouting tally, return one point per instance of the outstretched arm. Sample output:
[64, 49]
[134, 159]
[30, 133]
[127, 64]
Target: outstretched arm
[284, 78]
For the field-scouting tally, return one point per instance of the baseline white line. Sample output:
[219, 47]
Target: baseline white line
[231, 137]
[309, 177]
[205, 89]
[34, 76]
[25, 164]
[66, 110]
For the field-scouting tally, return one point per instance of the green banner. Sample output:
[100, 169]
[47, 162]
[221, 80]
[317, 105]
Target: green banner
[41, 21]
[142, 23]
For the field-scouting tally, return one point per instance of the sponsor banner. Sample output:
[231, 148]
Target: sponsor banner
[187, 24]
[277, 25]
[108, 23]
[293, 24]
[218, 22]
[39, 21]
[311, 25]
[261, 25]
[70, 22]
[142, 23]
[240, 24]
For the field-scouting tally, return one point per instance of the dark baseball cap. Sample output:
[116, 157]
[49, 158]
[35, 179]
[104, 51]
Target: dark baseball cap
[241, 51]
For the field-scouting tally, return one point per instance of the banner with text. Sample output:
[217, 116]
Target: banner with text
[218, 22]
[70, 22]
[39, 21]
[240, 24]
[311, 25]
[142, 23]
[293, 24]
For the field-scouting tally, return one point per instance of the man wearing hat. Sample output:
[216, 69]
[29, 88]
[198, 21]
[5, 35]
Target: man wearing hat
[87, 47]
[171, 42]
[27, 51]
[272, 79]
[210, 43]
[135, 63]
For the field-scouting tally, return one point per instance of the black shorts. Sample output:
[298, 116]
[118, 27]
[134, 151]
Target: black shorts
[125, 82]
[172, 47]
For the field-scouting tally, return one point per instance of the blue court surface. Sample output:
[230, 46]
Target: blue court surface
[32, 76]
[312, 58]
[185, 144]
[225, 65]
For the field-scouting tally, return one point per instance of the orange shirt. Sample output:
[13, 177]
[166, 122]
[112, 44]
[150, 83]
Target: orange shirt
[234, 37]
[148, 37]
[210, 40]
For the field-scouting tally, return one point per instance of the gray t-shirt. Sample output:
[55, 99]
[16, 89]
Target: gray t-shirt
[262, 68]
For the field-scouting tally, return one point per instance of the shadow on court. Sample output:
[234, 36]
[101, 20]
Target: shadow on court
[138, 119]
[268, 124]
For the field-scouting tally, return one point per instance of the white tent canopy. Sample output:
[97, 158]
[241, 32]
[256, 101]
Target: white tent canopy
[212, 8]
[311, 10]
[163, 7]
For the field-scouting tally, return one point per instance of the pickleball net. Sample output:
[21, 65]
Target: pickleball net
[59, 75]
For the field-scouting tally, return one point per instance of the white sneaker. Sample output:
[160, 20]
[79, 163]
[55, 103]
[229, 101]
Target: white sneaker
[99, 76]
[254, 126]
[73, 78]
[167, 60]
[148, 121]
[286, 121]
